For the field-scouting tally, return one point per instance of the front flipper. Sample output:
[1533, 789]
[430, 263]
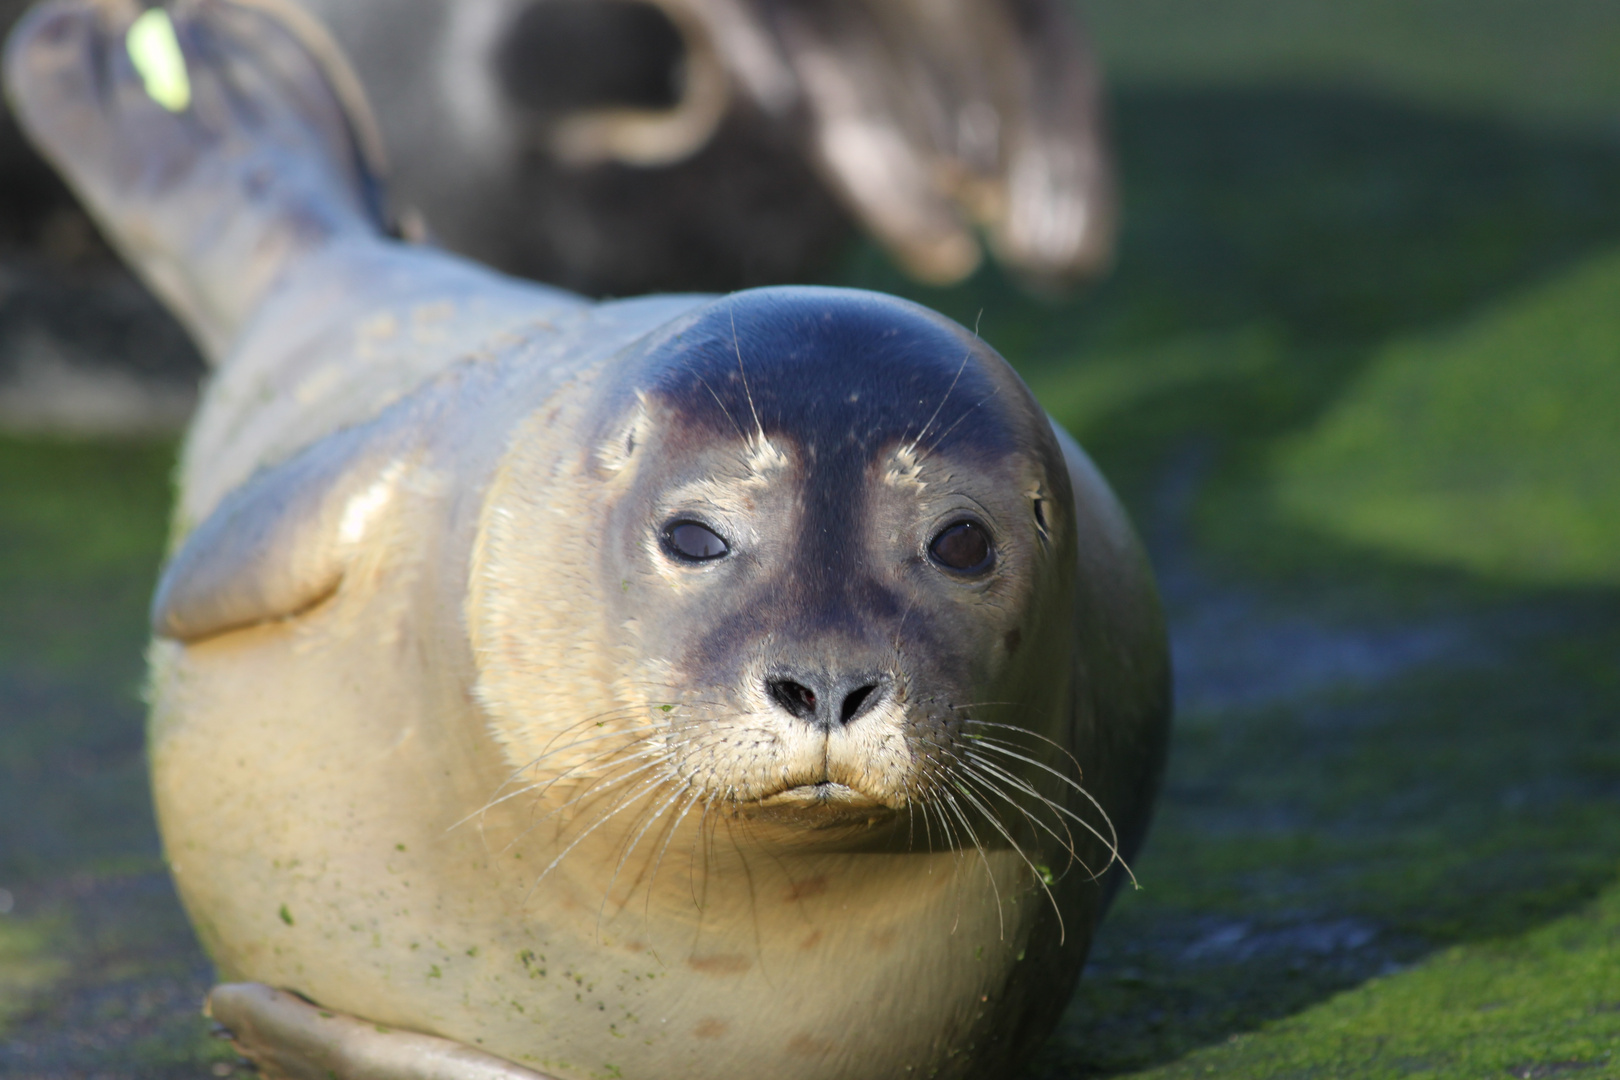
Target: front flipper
[279, 544]
[290, 1039]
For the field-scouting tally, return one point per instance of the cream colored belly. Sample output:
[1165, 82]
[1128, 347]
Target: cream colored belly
[317, 793]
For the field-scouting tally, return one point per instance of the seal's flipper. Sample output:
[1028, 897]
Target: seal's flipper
[290, 1039]
[935, 121]
[215, 141]
[279, 544]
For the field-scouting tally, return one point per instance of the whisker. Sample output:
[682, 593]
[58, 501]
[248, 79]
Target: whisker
[1011, 750]
[1034, 870]
[737, 345]
[628, 800]
[1053, 743]
[1111, 840]
[532, 762]
[965, 414]
[966, 354]
[597, 788]
[741, 434]
[995, 889]
[1018, 782]
[607, 893]
[932, 774]
[674, 827]
[1066, 841]
[537, 785]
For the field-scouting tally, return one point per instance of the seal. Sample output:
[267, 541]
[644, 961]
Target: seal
[678, 687]
[615, 146]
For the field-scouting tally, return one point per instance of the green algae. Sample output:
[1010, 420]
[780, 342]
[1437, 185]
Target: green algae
[1550, 62]
[1543, 1003]
[1350, 837]
[81, 532]
[31, 964]
[1556, 62]
[1492, 448]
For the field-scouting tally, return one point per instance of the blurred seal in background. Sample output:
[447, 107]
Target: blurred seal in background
[618, 146]
[621, 146]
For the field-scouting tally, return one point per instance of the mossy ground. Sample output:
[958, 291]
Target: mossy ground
[1357, 374]
[99, 974]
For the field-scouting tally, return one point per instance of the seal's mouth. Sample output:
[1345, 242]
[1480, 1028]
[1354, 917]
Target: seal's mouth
[823, 805]
[825, 795]
[822, 792]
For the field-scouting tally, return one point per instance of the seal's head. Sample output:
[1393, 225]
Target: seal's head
[831, 533]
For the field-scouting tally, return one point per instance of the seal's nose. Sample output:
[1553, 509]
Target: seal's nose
[828, 700]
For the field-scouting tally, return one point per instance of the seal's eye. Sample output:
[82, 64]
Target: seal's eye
[963, 546]
[689, 540]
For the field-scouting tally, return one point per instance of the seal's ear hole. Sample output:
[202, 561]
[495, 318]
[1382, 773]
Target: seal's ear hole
[617, 448]
[1040, 519]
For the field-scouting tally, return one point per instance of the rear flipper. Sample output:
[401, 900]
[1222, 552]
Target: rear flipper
[290, 1039]
[213, 174]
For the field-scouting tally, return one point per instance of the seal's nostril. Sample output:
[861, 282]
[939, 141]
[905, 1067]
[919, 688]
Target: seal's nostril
[796, 698]
[854, 701]
[841, 700]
